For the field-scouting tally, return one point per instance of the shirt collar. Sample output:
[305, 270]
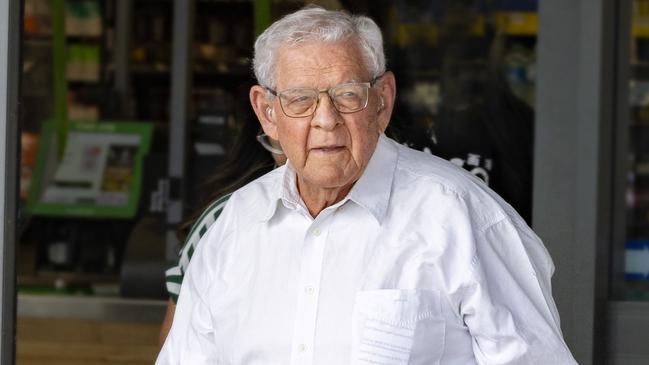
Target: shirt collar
[285, 190]
[371, 191]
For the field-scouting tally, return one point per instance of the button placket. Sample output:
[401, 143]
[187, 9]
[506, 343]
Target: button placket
[307, 301]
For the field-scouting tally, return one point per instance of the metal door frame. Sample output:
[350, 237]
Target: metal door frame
[10, 31]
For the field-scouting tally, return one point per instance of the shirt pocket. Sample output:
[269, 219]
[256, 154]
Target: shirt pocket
[397, 327]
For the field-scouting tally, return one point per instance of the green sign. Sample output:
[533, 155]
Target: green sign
[98, 175]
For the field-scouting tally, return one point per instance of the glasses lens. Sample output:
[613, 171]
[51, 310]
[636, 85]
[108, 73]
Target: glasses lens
[349, 98]
[298, 102]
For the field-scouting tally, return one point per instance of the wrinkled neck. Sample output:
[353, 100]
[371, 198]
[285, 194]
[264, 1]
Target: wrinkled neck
[317, 199]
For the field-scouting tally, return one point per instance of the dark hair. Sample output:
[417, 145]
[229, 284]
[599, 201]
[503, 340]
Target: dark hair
[246, 161]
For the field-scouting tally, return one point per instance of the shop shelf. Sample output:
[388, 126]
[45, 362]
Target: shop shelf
[521, 23]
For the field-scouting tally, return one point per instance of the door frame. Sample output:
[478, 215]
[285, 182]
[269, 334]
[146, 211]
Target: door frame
[10, 32]
[581, 146]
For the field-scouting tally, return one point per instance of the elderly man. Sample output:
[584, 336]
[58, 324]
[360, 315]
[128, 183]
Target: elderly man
[358, 250]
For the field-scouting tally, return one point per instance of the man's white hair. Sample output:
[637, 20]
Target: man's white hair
[313, 24]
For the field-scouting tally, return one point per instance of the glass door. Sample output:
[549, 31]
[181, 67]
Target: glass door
[637, 193]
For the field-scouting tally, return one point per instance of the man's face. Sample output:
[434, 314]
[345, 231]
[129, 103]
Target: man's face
[328, 149]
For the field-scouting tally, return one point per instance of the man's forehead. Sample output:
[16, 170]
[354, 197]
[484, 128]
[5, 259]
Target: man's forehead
[320, 60]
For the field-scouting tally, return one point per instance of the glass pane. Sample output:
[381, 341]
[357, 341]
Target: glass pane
[465, 75]
[637, 244]
[82, 174]
[80, 168]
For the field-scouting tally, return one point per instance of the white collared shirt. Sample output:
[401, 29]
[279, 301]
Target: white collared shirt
[420, 264]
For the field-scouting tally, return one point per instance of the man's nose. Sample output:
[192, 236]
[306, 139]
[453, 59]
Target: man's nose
[326, 116]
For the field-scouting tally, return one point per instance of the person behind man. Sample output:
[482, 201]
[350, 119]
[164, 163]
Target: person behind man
[359, 250]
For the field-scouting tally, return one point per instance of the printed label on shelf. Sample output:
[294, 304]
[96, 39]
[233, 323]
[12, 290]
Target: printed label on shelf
[637, 260]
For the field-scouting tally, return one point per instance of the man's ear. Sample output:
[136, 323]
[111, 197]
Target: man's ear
[387, 92]
[264, 106]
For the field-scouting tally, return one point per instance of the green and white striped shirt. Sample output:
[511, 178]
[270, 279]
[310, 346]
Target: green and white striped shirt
[174, 275]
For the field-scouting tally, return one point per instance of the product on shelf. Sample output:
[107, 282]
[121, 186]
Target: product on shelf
[83, 18]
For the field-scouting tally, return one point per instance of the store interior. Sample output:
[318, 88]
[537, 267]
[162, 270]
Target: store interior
[121, 133]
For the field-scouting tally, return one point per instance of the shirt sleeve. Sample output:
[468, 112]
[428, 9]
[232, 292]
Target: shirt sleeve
[507, 301]
[191, 338]
[174, 275]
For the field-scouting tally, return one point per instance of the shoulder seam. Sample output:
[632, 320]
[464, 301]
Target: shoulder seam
[405, 168]
[445, 187]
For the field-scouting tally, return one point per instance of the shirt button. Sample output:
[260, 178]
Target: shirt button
[309, 289]
[316, 232]
[301, 347]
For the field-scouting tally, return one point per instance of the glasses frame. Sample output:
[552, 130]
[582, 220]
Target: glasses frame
[369, 85]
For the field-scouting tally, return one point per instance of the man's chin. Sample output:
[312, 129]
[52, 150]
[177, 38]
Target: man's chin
[323, 179]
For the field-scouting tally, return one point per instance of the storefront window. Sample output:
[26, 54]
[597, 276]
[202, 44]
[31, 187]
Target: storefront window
[95, 155]
[465, 72]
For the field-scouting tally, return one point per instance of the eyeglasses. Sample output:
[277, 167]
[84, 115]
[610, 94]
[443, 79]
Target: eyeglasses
[346, 98]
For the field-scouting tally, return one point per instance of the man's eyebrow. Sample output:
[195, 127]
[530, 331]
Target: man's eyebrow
[351, 80]
[347, 81]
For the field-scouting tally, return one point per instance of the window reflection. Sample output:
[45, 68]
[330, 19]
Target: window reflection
[466, 74]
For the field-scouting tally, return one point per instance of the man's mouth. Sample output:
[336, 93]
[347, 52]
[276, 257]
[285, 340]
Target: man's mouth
[329, 149]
